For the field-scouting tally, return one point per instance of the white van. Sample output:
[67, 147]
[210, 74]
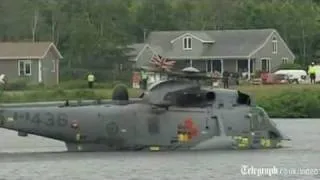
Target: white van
[295, 75]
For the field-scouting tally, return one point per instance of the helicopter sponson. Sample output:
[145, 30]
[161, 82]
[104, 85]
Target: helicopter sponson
[170, 115]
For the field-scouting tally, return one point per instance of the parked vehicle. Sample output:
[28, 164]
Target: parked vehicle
[295, 76]
[271, 78]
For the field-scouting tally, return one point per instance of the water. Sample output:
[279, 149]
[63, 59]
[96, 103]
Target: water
[38, 158]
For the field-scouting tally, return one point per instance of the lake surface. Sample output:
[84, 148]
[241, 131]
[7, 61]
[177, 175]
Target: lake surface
[29, 158]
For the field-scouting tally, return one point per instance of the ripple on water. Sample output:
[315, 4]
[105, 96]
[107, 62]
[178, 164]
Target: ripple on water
[303, 152]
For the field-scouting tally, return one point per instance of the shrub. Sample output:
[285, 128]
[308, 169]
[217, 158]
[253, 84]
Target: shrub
[83, 94]
[59, 93]
[20, 84]
[102, 75]
[75, 84]
[292, 104]
[82, 84]
[291, 66]
[120, 92]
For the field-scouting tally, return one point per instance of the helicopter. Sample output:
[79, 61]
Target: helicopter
[173, 114]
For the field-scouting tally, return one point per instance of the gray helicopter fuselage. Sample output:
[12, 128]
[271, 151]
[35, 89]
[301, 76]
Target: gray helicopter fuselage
[171, 116]
[131, 126]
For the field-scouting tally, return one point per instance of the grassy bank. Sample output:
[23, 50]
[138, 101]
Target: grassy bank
[288, 101]
[59, 94]
[267, 91]
[279, 100]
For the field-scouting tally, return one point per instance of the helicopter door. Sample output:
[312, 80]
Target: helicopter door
[149, 125]
[213, 123]
[118, 130]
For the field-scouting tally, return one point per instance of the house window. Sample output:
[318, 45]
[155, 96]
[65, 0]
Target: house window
[265, 65]
[53, 66]
[284, 60]
[274, 45]
[187, 41]
[24, 67]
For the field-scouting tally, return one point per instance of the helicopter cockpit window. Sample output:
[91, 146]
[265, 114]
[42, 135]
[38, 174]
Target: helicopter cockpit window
[190, 98]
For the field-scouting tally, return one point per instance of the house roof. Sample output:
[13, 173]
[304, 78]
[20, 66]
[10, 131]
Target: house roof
[135, 49]
[201, 36]
[26, 50]
[222, 43]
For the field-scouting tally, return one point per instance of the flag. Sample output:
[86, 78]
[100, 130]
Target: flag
[162, 63]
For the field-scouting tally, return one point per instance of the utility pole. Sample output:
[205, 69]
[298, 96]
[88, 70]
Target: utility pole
[144, 34]
[35, 24]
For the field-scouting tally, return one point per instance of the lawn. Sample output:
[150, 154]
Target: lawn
[104, 92]
[258, 91]
[261, 91]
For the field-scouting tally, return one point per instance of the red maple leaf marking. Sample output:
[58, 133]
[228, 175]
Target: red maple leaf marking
[188, 123]
[191, 128]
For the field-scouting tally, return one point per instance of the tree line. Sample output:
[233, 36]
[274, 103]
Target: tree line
[87, 31]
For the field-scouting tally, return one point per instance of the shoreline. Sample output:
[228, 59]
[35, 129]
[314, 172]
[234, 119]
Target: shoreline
[280, 101]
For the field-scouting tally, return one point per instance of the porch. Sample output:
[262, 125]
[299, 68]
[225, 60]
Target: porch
[221, 65]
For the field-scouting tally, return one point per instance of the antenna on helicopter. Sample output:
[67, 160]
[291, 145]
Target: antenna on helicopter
[190, 70]
[190, 73]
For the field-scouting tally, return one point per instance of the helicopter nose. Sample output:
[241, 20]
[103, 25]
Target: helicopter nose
[275, 130]
[282, 136]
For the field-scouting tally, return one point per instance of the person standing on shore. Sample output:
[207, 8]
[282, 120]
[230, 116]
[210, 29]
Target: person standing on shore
[91, 80]
[312, 73]
[225, 79]
[144, 79]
